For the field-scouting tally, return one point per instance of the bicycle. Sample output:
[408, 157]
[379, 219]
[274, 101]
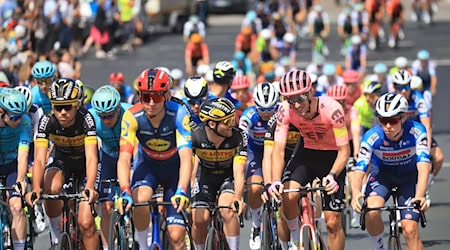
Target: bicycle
[5, 220]
[70, 235]
[310, 233]
[270, 216]
[215, 237]
[347, 214]
[394, 242]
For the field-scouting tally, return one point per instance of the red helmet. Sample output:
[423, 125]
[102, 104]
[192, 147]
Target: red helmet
[337, 92]
[4, 84]
[350, 76]
[240, 82]
[153, 80]
[295, 82]
[116, 77]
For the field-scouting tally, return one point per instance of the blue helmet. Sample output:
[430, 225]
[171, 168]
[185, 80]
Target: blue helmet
[380, 68]
[423, 55]
[13, 101]
[43, 69]
[105, 99]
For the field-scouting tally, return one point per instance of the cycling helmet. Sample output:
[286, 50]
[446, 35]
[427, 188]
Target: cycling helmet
[338, 92]
[265, 95]
[165, 69]
[251, 15]
[402, 77]
[318, 8]
[372, 87]
[216, 109]
[380, 68]
[154, 80]
[81, 93]
[196, 38]
[239, 56]
[64, 90]
[350, 76]
[416, 83]
[176, 74]
[43, 69]
[401, 62]
[329, 69]
[19, 31]
[194, 19]
[313, 78]
[13, 101]
[423, 55]
[246, 31]
[116, 77]
[289, 37]
[4, 84]
[355, 40]
[391, 104]
[196, 87]
[240, 82]
[202, 69]
[88, 92]
[27, 93]
[295, 82]
[105, 99]
[266, 34]
[223, 72]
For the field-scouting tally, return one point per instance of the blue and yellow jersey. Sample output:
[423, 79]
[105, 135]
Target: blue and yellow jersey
[396, 157]
[13, 140]
[40, 99]
[110, 137]
[161, 143]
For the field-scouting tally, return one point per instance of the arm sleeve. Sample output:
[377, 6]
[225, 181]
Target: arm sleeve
[183, 129]
[90, 129]
[129, 127]
[241, 152]
[25, 134]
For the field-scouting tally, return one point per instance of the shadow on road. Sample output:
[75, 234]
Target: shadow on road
[430, 243]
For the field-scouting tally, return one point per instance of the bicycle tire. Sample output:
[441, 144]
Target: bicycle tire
[116, 237]
[344, 219]
[266, 243]
[212, 240]
[65, 242]
[394, 243]
[306, 242]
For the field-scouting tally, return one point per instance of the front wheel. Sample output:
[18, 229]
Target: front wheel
[306, 240]
[65, 242]
[394, 244]
[266, 243]
[212, 240]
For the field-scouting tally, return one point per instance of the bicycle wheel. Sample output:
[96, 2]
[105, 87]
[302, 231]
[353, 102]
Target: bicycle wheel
[266, 243]
[65, 242]
[116, 237]
[344, 218]
[212, 240]
[394, 243]
[306, 240]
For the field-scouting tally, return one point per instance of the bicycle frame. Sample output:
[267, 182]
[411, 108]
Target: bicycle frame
[5, 219]
[270, 209]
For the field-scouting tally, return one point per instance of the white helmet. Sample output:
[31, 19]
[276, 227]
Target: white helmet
[402, 77]
[313, 77]
[391, 104]
[266, 34]
[416, 83]
[356, 40]
[176, 73]
[202, 69]
[27, 93]
[289, 37]
[265, 95]
[401, 62]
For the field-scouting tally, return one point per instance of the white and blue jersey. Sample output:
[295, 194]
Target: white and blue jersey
[41, 99]
[255, 128]
[417, 107]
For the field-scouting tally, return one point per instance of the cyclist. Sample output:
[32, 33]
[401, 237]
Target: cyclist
[405, 165]
[221, 149]
[329, 78]
[319, 26]
[426, 69]
[193, 26]
[351, 79]
[43, 73]
[71, 128]
[245, 41]
[394, 9]
[242, 64]
[381, 75]
[254, 123]
[356, 58]
[346, 27]
[324, 154]
[195, 92]
[15, 136]
[375, 9]
[240, 91]
[285, 47]
[400, 62]
[196, 53]
[223, 75]
[116, 79]
[262, 45]
[164, 155]
[107, 111]
[360, 21]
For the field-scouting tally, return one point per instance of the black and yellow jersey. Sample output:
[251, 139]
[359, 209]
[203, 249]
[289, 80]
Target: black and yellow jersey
[219, 160]
[292, 138]
[69, 142]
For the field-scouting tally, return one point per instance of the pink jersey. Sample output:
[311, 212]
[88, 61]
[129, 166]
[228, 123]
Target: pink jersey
[326, 131]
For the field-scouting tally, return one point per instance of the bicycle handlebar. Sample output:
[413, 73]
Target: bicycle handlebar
[66, 197]
[214, 206]
[304, 190]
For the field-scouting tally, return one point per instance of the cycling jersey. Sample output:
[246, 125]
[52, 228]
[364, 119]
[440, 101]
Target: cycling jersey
[41, 99]
[396, 157]
[109, 136]
[425, 73]
[417, 107]
[318, 20]
[366, 115]
[125, 93]
[245, 43]
[69, 142]
[243, 67]
[326, 131]
[262, 46]
[359, 18]
[196, 52]
[345, 21]
[255, 128]
[355, 55]
[13, 140]
[194, 118]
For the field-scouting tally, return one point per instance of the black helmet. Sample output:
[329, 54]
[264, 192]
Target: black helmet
[216, 109]
[64, 90]
[224, 72]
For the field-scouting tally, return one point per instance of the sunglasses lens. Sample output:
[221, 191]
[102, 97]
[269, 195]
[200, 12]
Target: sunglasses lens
[230, 121]
[402, 87]
[108, 116]
[156, 98]
[15, 118]
[195, 101]
[266, 110]
[390, 120]
[297, 99]
[42, 81]
[66, 107]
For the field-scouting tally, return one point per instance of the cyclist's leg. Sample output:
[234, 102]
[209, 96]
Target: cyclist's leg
[202, 195]
[409, 217]
[230, 223]
[53, 182]
[87, 226]
[18, 226]
[254, 175]
[282, 230]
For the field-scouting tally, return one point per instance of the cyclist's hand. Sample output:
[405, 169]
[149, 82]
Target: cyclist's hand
[125, 196]
[90, 195]
[423, 203]
[275, 190]
[241, 207]
[315, 183]
[356, 201]
[180, 200]
[265, 193]
[331, 186]
[33, 197]
[21, 187]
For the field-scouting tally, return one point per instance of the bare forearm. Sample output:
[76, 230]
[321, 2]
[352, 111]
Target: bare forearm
[185, 167]
[423, 169]
[22, 165]
[356, 183]
[91, 172]
[239, 180]
[266, 169]
[123, 172]
[341, 159]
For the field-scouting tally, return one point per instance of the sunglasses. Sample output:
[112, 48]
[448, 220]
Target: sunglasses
[156, 97]
[402, 87]
[231, 121]
[42, 81]
[14, 118]
[297, 99]
[198, 101]
[66, 107]
[391, 120]
[108, 116]
[266, 110]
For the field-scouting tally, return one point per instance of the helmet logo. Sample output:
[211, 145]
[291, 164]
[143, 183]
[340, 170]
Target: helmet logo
[219, 72]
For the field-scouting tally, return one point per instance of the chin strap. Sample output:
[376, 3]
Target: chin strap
[215, 131]
[401, 130]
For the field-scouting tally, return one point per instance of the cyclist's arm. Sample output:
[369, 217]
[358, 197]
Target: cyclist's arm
[363, 58]
[188, 56]
[205, 53]
[280, 137]
[40, 153]
[268, 149]
[341, 136]
[426, 122]
[91, 162]
[422, 159]
[423, 169]
[127, 142]
[434, 80]
[239, 161]
[23, 148]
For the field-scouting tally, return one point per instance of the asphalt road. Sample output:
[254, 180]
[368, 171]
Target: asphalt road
[168, 50]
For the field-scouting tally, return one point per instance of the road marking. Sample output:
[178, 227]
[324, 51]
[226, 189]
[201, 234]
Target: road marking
[446, 165]
[438, 62]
